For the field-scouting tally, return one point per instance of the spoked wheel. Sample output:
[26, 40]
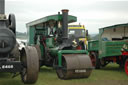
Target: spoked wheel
[95, 61]
[126, 66]
[30, 60]
[75, 66]
[93, 58]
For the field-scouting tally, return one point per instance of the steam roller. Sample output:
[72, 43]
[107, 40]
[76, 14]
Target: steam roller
[49, 35]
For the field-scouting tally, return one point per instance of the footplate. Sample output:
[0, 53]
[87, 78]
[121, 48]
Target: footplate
[75, 66]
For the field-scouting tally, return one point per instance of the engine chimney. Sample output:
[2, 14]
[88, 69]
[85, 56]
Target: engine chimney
[65, 23]
[2, 6]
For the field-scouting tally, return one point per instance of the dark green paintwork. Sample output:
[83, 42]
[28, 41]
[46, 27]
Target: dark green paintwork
[93, 45]
[30, 36]
[42, 50]
[111, 48]
[50, 42]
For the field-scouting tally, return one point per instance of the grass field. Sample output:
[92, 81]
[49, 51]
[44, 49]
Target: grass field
[110, 75]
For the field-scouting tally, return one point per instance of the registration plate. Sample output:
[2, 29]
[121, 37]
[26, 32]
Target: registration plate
[6, 67]
[80, 71]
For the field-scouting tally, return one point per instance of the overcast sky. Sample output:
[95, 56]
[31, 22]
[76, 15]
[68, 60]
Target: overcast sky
[94, 14]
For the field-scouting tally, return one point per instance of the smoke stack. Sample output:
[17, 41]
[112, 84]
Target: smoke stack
[65, 23]
[2, 6]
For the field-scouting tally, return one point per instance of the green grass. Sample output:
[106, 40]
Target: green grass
[110, 75]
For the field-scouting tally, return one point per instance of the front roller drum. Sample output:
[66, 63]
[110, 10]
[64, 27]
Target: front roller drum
[30, 60]
[75, 66]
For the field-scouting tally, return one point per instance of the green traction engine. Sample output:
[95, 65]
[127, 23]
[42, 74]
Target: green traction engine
[55, 49]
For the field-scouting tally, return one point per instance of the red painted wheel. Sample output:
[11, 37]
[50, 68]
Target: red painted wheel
[95, 61]
[93, 58]
[126, 66]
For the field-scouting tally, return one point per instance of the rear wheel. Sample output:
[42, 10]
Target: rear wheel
[93, 58]
[95, 61]
[126, 66]
[30, 60]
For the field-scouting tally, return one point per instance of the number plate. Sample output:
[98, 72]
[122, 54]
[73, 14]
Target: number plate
[80, 71]
[7, 67]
